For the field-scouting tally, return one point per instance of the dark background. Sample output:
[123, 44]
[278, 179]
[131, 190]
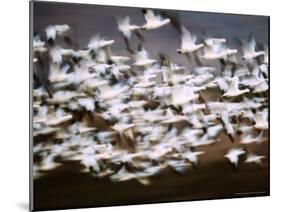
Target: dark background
[89, 20]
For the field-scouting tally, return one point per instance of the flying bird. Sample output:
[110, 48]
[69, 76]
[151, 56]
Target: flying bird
[153, 21]
[233, 156]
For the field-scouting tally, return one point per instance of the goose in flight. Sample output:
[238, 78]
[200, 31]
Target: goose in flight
[179, 166]
[59, 75]
[127, 29]
[261, 87]
[192, 157]
[261, 121]
[124, 129]
[90, 162]
[97, 43]
[110, 92]
[45, 130]
[57, 54]
[48, 163]
[214, 41]
[229, 128]
[219, 51]
[233, 156]
[219, 82]
[142, 58]
[50, 117]
[255, 80]
[60, 117]
[171, 118]
[54, 31]
[203, 141]
[88, 103]
[249, 51]
[146, 80]
[213, 131]
[81, 128]
[38, 45]
[249, 139]
[153, 21]
[188, 42]
[41, 115]
[62, 97]
[233, 90]
[192, 108]
[254, 158]
[182, 94]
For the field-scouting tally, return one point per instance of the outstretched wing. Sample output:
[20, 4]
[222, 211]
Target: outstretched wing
[149, 15]
[186, 38]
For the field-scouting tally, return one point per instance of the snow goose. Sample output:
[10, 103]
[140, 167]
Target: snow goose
[153, 21]
[233, 90]
[249, 50]
[233, 156]
[192, 156]
[249, 139]
[261, 121]
[188, 42]
[142, 58]
[229, 128]
[97, 43]
[254, 158]
[54, 31]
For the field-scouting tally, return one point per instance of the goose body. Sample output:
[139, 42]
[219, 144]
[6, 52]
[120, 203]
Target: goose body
[233, 155]
[153, 21]
[233, 90]
[188, 42]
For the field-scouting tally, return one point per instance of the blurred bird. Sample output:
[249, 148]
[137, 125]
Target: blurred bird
[233, 156]
[153, 21]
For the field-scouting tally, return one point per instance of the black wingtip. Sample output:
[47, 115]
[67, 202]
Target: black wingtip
[144, 11]
[231, 138]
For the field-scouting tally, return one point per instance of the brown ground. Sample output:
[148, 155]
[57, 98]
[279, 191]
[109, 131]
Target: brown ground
[65, 187]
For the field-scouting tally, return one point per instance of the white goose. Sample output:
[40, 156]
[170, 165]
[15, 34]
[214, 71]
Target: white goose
[188, 42]
[88, 103]
[142, 58]
[253, 158]
[110, 92]
[48, 163]
[60, 117]
[192, 156]
[53, 30]
[213, 131]
[214, 41]
[153, 21]
[261, 121]
[182, 94]
[217, 51]
[59, 75]
[38, 45]
[249, 50]
[233, 90]
[125, 27]
[171, 118]
[227, 124]
[233, 155]
[90, 162]
[97, 43]
[249, 139]
[261, 87]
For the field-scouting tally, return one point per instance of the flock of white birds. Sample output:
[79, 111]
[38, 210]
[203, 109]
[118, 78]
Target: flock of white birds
[133, 117]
